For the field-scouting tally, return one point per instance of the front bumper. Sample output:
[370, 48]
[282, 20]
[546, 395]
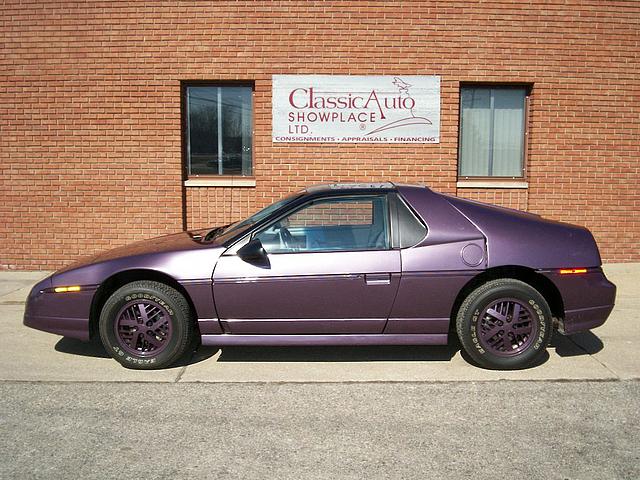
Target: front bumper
[588, 299]
[65, 314]
[67, 327]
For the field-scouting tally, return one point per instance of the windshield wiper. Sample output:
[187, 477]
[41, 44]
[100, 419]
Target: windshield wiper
[209, 236]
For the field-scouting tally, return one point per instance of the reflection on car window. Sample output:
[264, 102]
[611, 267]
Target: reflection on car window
[333, 224]
[236, 228]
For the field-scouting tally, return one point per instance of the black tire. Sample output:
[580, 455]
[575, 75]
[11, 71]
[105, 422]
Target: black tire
[482, 335]
[173, 332]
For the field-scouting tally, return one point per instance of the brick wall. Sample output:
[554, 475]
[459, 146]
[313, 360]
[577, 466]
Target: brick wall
[90, 123]
[334, 213]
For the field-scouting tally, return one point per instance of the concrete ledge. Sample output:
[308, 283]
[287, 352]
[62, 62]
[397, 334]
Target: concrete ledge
[492, 184]
[220, 182]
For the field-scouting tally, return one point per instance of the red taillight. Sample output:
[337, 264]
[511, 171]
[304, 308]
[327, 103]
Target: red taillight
[567, 271]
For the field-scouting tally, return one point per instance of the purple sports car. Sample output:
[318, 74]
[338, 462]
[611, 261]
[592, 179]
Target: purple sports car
[343, 264]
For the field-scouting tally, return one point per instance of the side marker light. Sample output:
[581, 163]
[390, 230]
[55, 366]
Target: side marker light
[75, 288]
[569, 271]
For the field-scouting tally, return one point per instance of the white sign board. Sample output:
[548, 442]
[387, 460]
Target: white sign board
[356, 109]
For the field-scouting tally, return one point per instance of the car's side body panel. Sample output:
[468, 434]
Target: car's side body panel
[307, 293]
[525, 239]
[434, 271]
[444, 222]
[424, 302]
[200, 293]
[283, 340]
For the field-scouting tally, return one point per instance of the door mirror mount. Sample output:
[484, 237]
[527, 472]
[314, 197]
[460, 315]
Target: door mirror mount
[253, 251]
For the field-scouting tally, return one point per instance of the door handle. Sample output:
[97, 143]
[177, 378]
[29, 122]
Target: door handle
[377, 278]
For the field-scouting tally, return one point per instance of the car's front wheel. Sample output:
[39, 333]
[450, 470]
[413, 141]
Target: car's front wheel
[504, 324]
[146, 325]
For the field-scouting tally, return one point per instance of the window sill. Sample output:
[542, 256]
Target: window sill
[492, 184]
[221, 182]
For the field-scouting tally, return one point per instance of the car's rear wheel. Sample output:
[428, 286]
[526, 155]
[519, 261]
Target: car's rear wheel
[505, 324]
[146, 325]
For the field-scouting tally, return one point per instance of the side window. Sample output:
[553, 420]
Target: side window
[331, 224]
[410, 229]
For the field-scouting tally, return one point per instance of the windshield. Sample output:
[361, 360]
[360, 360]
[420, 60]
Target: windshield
[223, 233]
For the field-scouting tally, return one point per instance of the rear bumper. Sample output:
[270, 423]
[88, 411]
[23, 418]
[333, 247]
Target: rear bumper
[576, 321]
[588, 299]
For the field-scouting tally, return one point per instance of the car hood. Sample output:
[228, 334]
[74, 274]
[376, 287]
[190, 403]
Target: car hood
[182, 256]
[175, 242]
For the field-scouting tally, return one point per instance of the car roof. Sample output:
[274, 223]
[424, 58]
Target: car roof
[330, 187]
[357, 187]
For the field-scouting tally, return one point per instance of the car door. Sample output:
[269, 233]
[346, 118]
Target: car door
[328, 269]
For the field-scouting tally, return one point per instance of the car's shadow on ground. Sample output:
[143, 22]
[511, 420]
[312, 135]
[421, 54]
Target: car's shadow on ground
[382, 353]
[585, 343]
[77, 347]
[95, 349]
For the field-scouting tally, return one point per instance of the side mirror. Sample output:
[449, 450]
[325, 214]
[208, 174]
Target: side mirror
[252, 251]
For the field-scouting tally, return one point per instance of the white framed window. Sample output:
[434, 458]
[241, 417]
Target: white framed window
[493, 128]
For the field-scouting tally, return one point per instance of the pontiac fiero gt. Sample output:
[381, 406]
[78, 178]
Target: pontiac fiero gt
[341, 264]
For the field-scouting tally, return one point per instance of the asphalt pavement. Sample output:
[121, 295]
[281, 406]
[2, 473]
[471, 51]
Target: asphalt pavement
[452, 430]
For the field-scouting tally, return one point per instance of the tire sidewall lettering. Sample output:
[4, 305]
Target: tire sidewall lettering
[474, 332]
[146, 296]
[140, 361]
[542, 324]
[128, 358]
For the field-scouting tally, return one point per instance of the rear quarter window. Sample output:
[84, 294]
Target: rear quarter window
[410, 229]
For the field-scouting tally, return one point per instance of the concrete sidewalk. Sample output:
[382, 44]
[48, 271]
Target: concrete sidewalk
[607, 353]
